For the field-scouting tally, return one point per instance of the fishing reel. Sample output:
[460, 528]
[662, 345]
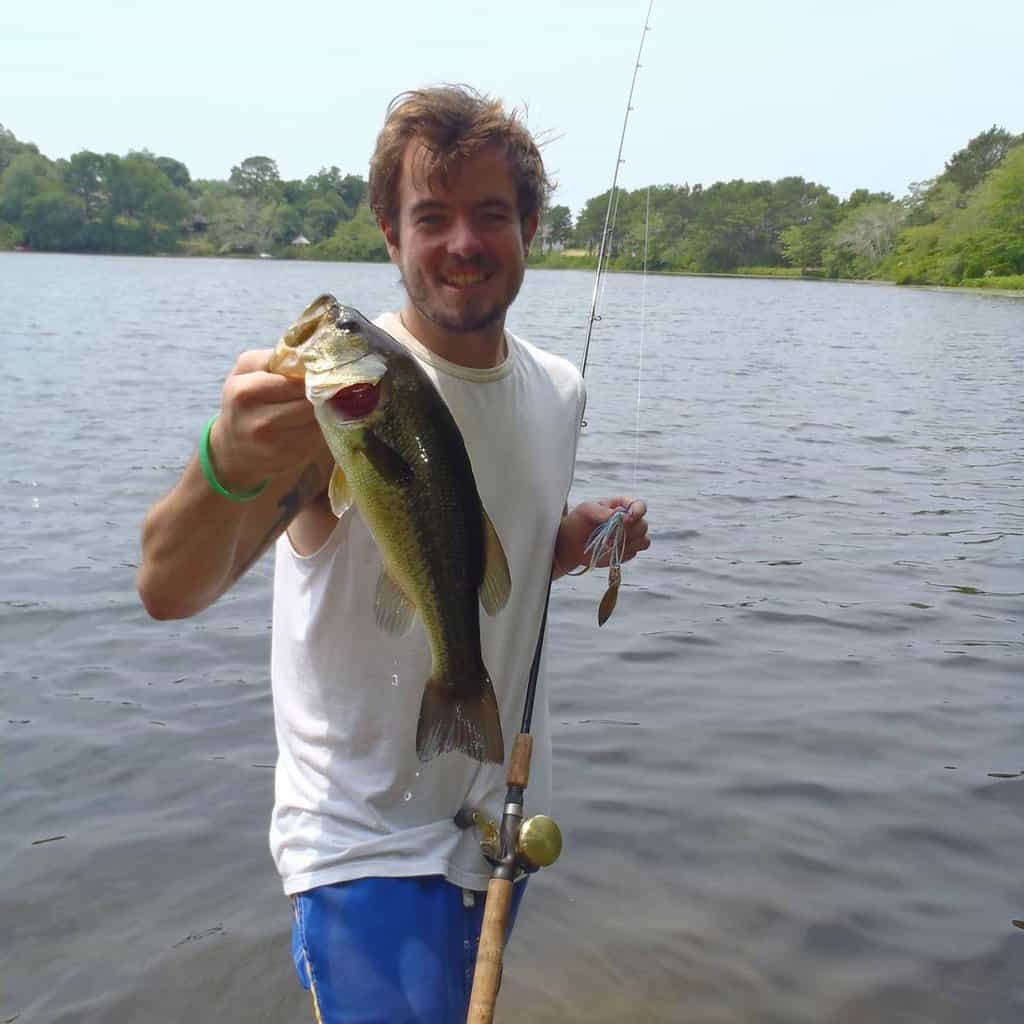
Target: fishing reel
[520, 846]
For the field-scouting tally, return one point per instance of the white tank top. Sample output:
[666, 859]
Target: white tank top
[352, 799]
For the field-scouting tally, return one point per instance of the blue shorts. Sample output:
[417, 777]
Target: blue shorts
[390, 950]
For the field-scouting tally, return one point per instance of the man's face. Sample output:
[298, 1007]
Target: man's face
[461, 249]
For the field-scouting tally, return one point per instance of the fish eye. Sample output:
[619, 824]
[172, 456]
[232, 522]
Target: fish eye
[348, 326]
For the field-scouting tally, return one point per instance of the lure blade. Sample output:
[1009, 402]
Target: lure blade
[611, 595]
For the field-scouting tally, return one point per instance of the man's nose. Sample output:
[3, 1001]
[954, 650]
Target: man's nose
[464, 239]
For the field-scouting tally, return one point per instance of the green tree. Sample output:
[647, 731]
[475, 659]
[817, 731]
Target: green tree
[145, 211]
[861, 196]
[26, 176]
[285, 223]
[557, 226]
[358, 239]
[804, 243]
[967, 167]
[329, 183]
[84, 175]
[590, 223]
[800, 247]
[993, 243]
[236, 225]
[175, 171]
[10, 236]
[10, 147]
[323, 214]
[53, 219]
[868, 235]
[255, 176]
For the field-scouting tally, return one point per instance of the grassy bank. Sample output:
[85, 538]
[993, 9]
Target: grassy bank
[1012, 283]
[562, 261]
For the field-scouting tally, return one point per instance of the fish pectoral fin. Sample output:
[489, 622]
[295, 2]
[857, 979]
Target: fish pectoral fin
[394, 611]
[340, 492]
[497, 582]
[388, 464]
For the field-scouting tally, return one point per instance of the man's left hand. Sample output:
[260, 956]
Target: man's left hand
[577, 526]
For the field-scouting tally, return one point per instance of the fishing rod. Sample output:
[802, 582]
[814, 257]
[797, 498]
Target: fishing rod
[612, 195]
[525, 845]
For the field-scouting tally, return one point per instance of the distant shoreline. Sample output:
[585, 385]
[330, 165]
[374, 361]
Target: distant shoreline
[997, 287]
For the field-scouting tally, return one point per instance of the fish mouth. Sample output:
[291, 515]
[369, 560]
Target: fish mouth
[357, 376]
[357, 401]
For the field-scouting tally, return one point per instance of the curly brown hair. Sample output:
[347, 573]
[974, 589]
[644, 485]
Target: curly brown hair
[453, 122]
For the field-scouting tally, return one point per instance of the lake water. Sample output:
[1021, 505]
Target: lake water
[788, 770]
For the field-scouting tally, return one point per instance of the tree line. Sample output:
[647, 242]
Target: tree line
[966, 225]
[144, 204]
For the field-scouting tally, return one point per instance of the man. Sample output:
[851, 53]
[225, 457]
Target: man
[387, 892]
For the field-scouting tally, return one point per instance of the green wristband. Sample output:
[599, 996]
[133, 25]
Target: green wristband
[206, 463]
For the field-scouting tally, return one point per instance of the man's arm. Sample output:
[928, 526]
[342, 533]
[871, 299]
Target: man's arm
[196, 543]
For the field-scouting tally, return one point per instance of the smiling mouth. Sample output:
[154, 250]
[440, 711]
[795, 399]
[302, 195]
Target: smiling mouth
[466, 280]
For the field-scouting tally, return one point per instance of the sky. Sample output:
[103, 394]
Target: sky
[849, 95]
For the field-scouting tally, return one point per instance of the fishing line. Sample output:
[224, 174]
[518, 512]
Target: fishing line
[643, 322]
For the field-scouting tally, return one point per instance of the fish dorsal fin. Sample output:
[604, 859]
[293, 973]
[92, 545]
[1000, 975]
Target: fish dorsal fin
[393, 610]
[497, 582]
[340, 492]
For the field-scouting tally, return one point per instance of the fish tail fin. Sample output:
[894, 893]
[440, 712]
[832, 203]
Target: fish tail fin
[451, 721]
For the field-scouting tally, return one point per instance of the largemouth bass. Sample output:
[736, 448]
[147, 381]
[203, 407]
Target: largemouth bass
[402, 461]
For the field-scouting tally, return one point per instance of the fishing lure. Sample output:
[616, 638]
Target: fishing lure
[607, 539]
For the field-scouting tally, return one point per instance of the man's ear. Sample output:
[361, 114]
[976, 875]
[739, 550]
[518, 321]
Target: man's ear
[390, 233]
[530, 225]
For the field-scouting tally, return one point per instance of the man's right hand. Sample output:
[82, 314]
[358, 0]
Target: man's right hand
[264, 423]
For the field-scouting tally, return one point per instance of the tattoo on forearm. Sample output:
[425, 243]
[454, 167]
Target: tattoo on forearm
[305, 490]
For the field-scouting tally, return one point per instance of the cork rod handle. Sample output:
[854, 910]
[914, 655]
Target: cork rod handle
[487, 973]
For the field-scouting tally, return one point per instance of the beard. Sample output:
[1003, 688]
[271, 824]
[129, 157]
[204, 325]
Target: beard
[477, 313]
